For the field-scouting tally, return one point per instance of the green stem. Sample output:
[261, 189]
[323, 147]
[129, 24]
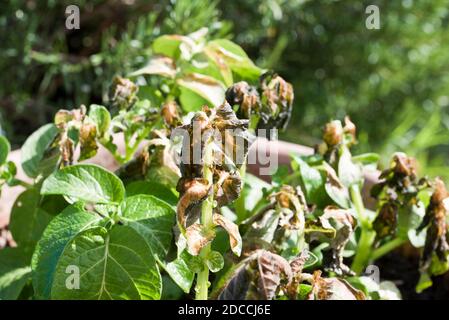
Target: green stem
[367, 235]
[202, 282]
[363, 254]
[387, 247]
[356, 198]
[22, 183]
[240, 202]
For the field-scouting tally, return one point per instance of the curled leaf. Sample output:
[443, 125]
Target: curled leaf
[343, 223]
[170, 114]
[197, 238]
[163, 66]
[386, 221]
[277, 101]
[215, 261]
[233, 231]
[334, 188]
[436, 221]
[272, 269]
[122, 93]
[193, 191]
[246, 97]
[333, 289]
[258, 277]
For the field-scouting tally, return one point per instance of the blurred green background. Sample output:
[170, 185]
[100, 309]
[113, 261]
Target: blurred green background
[393, 82]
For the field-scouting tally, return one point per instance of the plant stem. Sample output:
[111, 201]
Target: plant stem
[387, 247]
[23, 183]
[356, 198]
[202, 281]
[240, 202]
[367, 235]
[363, 254]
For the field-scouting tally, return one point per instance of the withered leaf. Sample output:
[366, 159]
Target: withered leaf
[246, 97]
[193, 191]
[272, 268]
[122, 93]
[437, 231]
[197, 238]
[258, 277]
[386, 221]
[88, 142]
[333, 289]
[233, 231]
[343, 223]
[276, 100]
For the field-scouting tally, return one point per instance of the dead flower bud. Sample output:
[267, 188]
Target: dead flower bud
[333, 133]
[170, 114]
[400, 182]
[122, 93]
[436, 220]
[246, 97]
[401, 167]
[276, 101]
[350, 131]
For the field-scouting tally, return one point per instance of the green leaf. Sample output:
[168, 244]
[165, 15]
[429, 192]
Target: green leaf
[170, 290]
[367, 158]
[424, 282]
[168, 45]
[312, 181]
[304, 291]
[438, 267]
[34, 158]
[348, 172]
[59, 232]
[180, 272]
[409, 219]
[190, 101]
[334, 188]
[12, 283]
[28, 220]
[113, 265]
[86, 182]
[205, 87]
[236, 58]
[14, 258]
[215, 66]
[5, 148]
[101, 117]
[215, 261]
[154, 189]
[152, 218]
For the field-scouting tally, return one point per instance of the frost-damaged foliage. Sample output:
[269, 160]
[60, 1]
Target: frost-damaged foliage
[181, 218]
[268, 105]
[213, 151]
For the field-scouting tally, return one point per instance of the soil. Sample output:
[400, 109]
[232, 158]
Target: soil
[402, 269]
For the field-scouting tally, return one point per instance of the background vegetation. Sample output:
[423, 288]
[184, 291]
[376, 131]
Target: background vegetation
[393, 82]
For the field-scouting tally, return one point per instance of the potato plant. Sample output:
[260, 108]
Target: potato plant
[174, 223]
